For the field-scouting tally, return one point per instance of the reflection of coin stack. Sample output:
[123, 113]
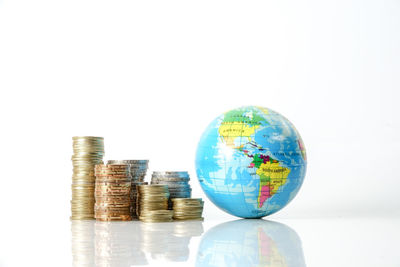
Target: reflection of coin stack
[153, 203]
[177, 182]
[138, 170]
[169, 241]
[188, 228]
[178, 247]
[113, 189]
[88, 151]
[117, 244]
[187, 208]
[82, 243]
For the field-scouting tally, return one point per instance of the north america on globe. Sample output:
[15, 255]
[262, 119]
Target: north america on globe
[251, 161]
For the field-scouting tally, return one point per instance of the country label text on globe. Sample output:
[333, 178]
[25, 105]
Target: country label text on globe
[251, 162]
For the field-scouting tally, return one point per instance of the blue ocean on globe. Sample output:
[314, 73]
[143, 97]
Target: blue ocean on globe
[251, 162]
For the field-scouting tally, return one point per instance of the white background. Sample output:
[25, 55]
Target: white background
[150, 75]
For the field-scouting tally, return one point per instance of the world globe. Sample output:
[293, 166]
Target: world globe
[251, 162]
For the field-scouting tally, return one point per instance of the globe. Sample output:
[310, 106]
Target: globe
[250, 243]
[251, 162]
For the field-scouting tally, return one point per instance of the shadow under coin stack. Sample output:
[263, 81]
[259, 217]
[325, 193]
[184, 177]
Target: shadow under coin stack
[153, 203]
[187, 208]
[113, 188]
[177, 182]
[138, 171]
[88, 151]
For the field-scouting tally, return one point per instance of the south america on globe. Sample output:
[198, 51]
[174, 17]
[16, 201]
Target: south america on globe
[251, 162]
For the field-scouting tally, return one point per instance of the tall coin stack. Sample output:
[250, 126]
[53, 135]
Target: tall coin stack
[187, 208]
[138, 170]
[177, 182]
[153, 203]
[113, 189]
[87, 152]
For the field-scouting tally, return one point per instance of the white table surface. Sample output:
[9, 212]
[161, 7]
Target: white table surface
[289, 242]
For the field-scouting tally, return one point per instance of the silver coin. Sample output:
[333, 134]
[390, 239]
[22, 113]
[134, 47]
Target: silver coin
[171, 183]
[129, 161]
[171, 173]
[176, 179]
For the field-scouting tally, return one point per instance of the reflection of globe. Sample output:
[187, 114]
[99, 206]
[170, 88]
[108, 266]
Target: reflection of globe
[250, 243]
[251, 162]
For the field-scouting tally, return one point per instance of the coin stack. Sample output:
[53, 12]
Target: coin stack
[134, 199]
[153, 203]
[177, 182]
[187, 208]
[88, 151]
[157, 216]
[113, 189]
[138, 170]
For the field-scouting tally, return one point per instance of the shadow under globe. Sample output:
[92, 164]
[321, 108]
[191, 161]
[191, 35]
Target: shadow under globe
[250, 243]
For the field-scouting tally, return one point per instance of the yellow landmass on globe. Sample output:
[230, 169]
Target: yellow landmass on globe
[229, 131]
[264, 110]
[272, 176]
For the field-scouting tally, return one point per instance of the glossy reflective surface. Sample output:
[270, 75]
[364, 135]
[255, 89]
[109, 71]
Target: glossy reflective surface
[327, 242]
[285, 242]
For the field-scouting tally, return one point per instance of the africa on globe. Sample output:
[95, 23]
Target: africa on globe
[251, 162]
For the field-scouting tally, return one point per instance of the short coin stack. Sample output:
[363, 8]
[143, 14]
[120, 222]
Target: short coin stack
[187, 208]
[177, 182]
[153, 203]
[157, 216]
[88, 151]
[138, 170]
[113, 189]
[134, 199]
